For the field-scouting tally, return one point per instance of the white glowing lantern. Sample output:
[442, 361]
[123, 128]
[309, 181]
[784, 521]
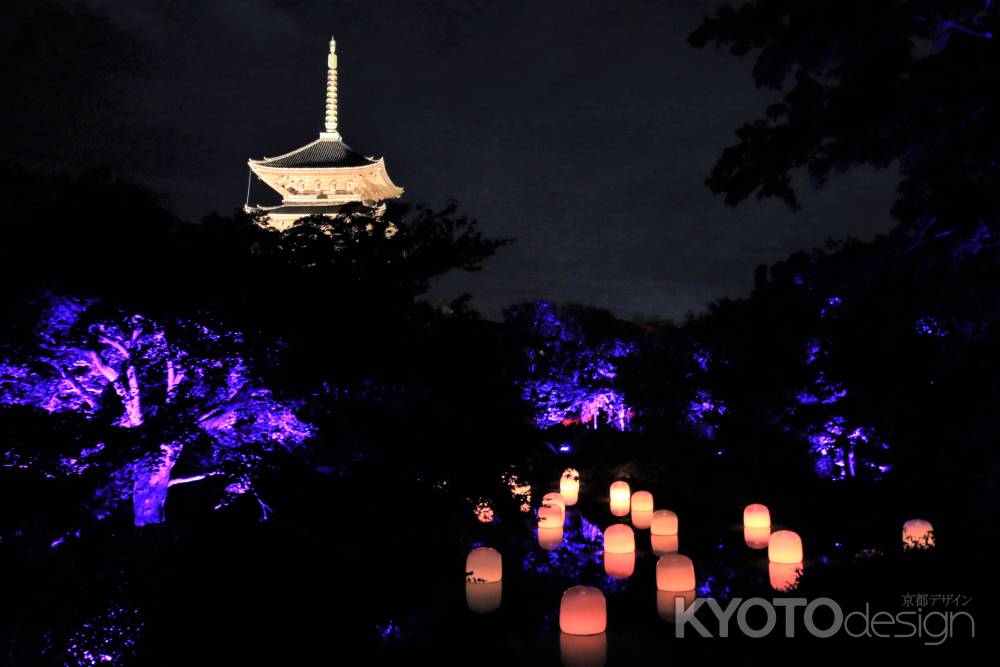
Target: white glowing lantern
[550, 516]
[550, 538]
[554, 498]
[483, 565]
[756, 537]
[666, 603]
[621, 496]
[784, 546]
[483, 598]
[664, 523]
[583, 611]
[756, 516]
[664, 544]
[642, 509]
[569, 486]
[619, 539]
[675, 572]
[619, 566]
[918, 534]
[583, 650]
[784, 576]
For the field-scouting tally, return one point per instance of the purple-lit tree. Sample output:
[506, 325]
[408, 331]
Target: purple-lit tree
[570, 376]
[168, 394]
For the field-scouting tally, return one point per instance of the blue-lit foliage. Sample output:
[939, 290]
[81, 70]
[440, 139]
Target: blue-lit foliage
[570, 378]
[178, 392]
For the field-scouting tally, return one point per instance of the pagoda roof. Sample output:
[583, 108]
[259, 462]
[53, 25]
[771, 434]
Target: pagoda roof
[323, 153]
[303, 210]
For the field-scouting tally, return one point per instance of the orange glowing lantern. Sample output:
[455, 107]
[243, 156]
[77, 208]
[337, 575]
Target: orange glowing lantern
[642, 509]
[675, 572]
[664, 544]
[784, 576]
[569, 486]
[756, 537]
[483, 598]
[756, 516]
[550, 538]
[666, 603]
[619, 566]
[620, 497]
[554, 498]
[550, 516]
[918, 534]
[483, 565]
[583, 650]
[664, 523]
[583, 611]
[619, 539]
[784, 546]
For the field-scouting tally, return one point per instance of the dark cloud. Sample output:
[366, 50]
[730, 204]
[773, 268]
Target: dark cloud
[583, 129]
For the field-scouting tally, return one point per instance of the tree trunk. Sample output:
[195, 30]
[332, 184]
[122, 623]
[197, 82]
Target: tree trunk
[149, 490]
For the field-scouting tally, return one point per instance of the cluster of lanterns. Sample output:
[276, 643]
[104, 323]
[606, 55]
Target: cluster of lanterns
[583, 609]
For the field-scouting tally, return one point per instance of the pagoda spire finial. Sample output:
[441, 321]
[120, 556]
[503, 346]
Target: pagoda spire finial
[331, 94]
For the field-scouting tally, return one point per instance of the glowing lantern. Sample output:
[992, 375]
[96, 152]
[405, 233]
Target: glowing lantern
[756, 537]
[756, 516]
[918, 534]
[666, 603]
[583, 611]
[483, 598]
[569, 486]
[642, 509]
[619, 566]
[550, 538]
[784, 546]
[550, 516]
[583, 650]
[664, 523]
[483, 565]
[619, 539]
[554, 498]
[664, 544]
[675, 572]
[620, 497]
[784, 576]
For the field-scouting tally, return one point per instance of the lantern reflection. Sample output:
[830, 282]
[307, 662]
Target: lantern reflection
[620, 498]
[550, 538]
[619, 539]
[666, 603]
[784, 576]
[583, 650]
[664, 523]
[483, 565]
[918, 534]
[619, 566]
[641, 520]
[569, 486]
[784, 546]
[756, 516]
[483, 597]
[756, 537]
[675, 572]
[583, 611]
[664, 544]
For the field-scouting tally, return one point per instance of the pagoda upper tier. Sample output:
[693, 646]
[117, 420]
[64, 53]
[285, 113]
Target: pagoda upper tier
[322, 176]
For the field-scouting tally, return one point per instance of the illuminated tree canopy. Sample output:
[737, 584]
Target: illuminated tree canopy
[172, 393]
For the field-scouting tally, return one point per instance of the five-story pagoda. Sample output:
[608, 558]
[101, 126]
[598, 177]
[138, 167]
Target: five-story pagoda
[322, 176]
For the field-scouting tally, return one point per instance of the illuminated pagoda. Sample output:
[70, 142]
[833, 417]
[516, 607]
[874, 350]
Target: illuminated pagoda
[321, 177]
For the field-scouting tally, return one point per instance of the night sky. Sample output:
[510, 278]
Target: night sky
[585, 130]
